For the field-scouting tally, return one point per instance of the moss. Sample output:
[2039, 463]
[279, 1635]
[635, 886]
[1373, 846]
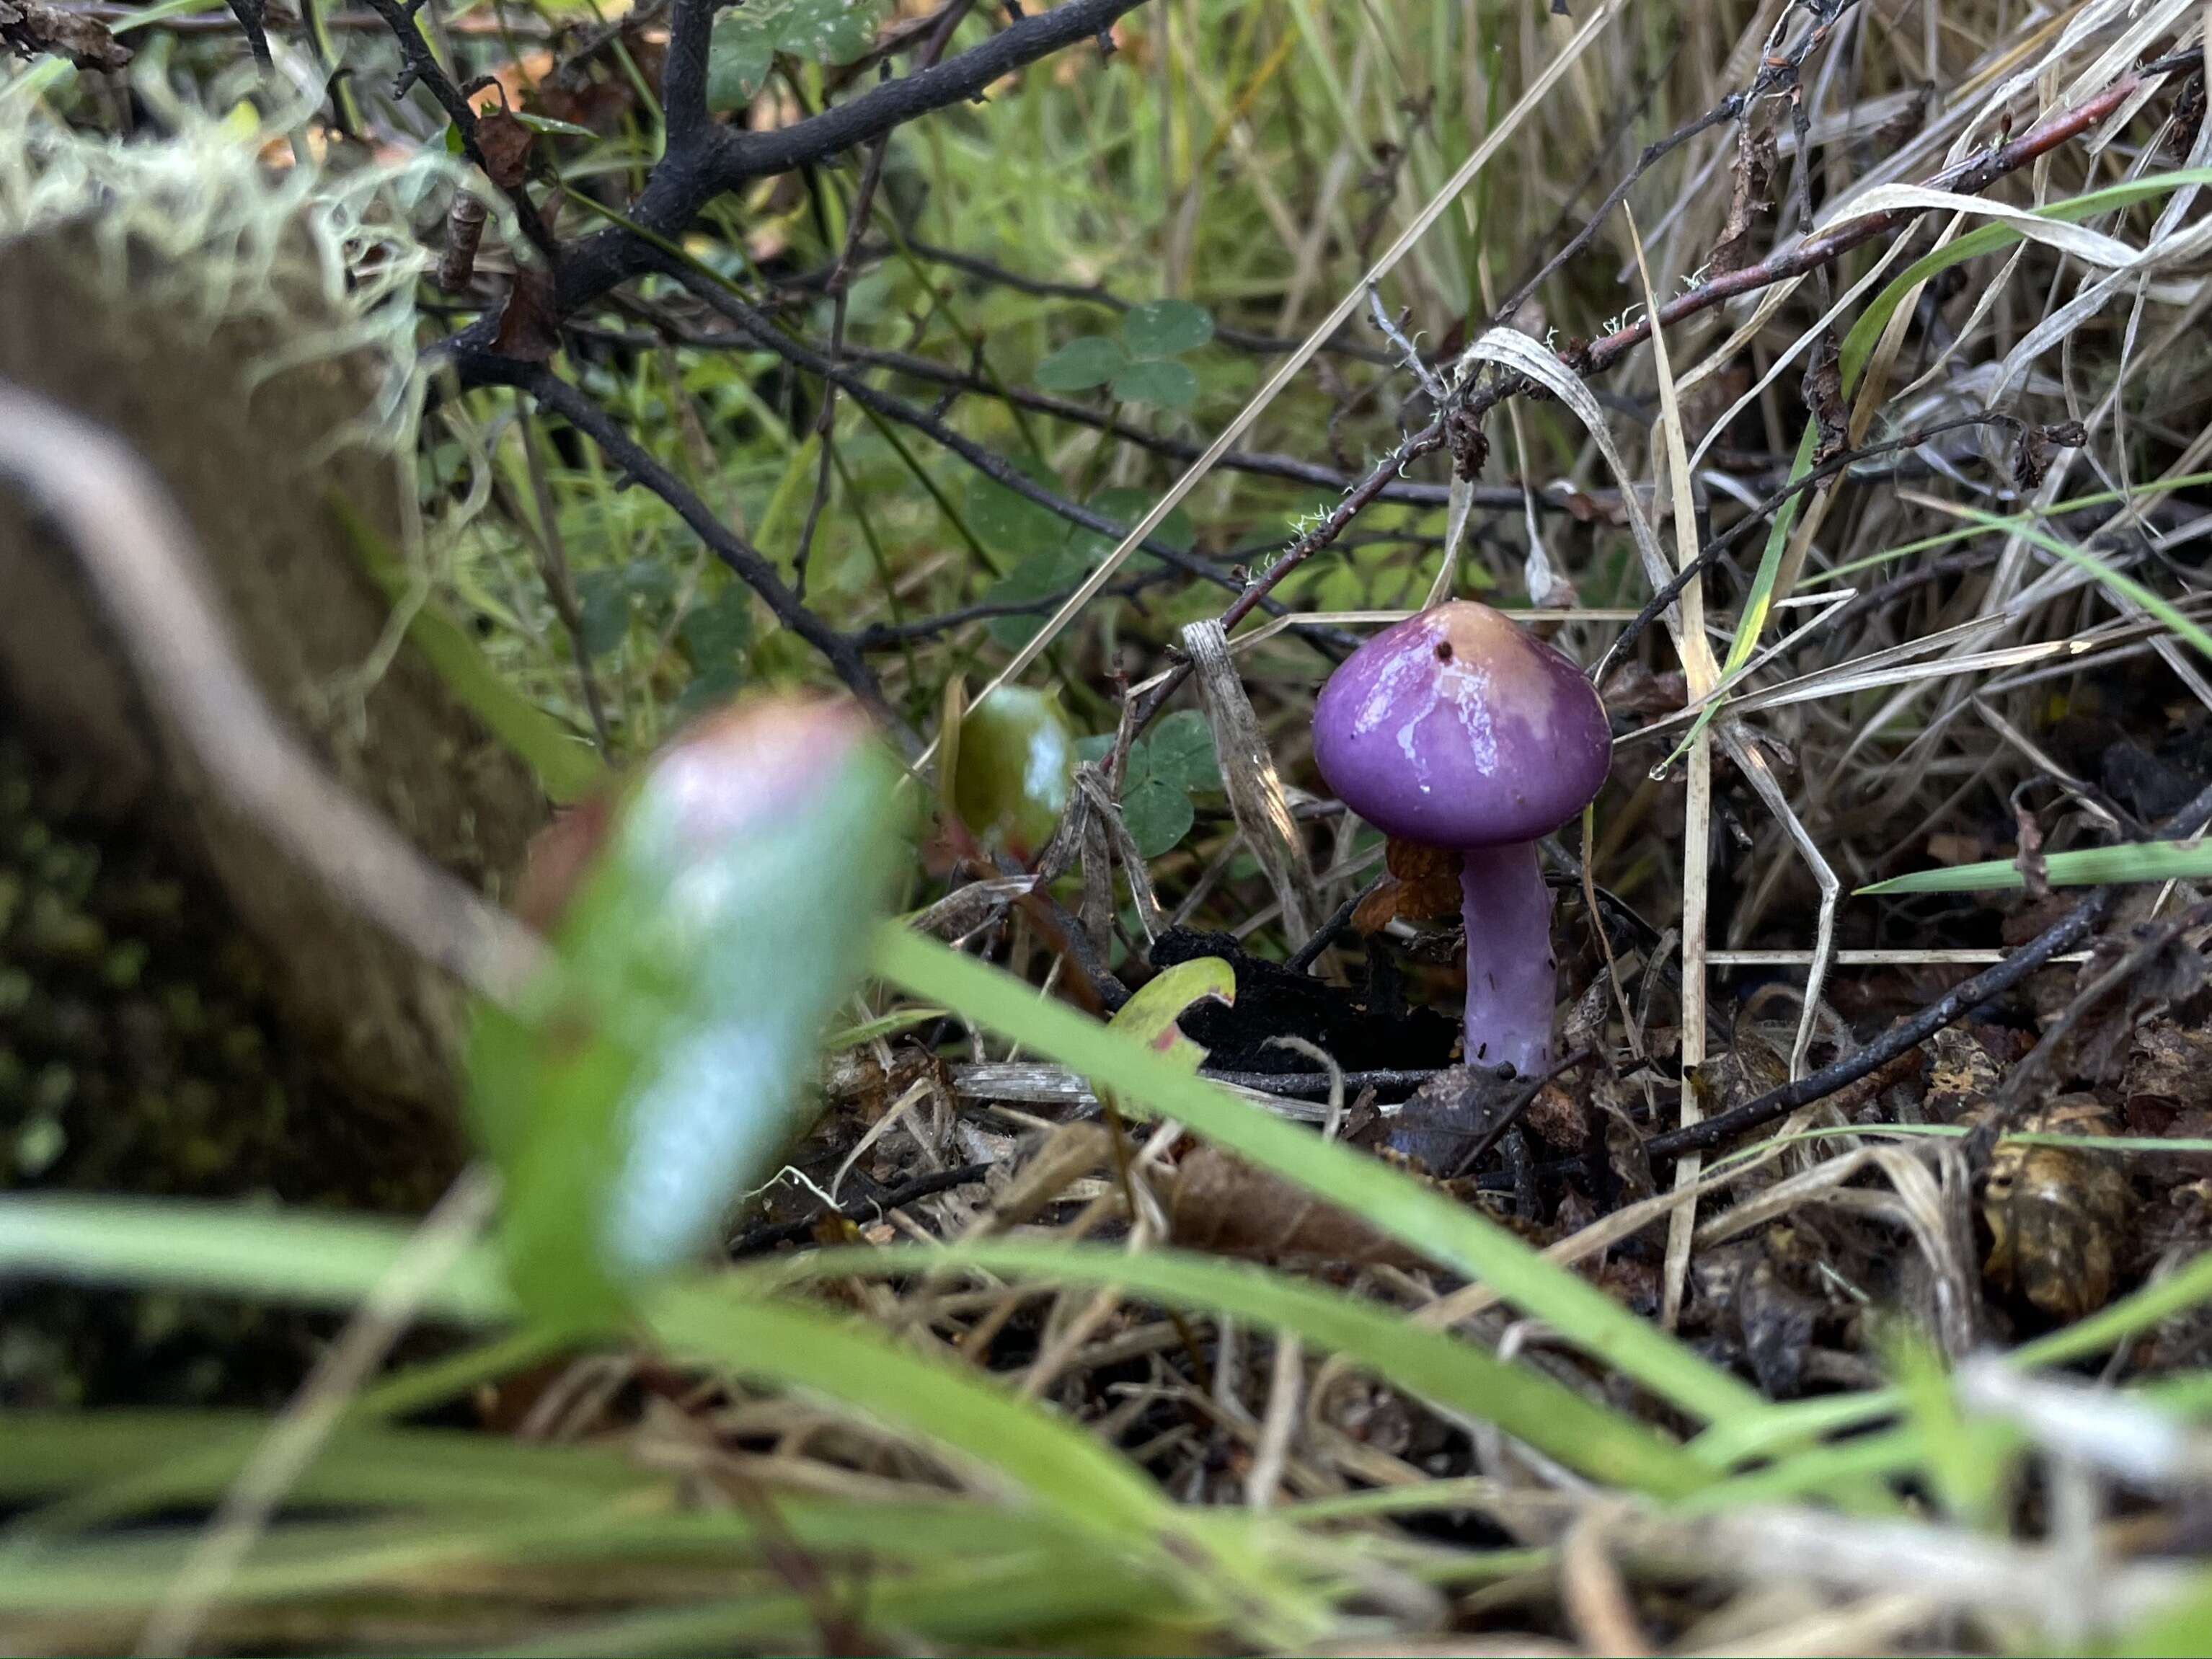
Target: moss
[180, 1076]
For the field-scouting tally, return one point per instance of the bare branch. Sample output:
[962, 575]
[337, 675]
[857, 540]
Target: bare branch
[744, 560]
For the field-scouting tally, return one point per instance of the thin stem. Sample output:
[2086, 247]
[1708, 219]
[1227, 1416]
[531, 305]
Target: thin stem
[1512, 977]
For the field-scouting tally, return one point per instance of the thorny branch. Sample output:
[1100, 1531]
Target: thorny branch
[422, 68]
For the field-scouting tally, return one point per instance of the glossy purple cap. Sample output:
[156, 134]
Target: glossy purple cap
[1459, 728]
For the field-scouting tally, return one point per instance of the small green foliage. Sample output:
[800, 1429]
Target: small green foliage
[1011, 524]
[1139, 366]
[1125, 506]
[1158, 815]
[1159, 777]
[1037, 577]
[1166, 328]
[1169, 384]
[1087, 361]
[748, 38]
[1181, 748]
[718, 631]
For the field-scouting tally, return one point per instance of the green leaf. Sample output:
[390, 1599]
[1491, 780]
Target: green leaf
[601, 611]
[1150, 1017]
[707, 690]
[1137, 764]
[1166, 328]
[1013, 524]
[1125, 506]
[661, 1065]
[1183, 751]
[1169, 384]
[1036, 577]
[2090, 867]
[1157, 814]
[547, 124]
[1417, 1215]
[826, 31]
[1087, 361]
[715, 633]
[739, 51]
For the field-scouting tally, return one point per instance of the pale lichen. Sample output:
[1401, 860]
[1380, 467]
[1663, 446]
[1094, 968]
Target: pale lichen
[203, 224]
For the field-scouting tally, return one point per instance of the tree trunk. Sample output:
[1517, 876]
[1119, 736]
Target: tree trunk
[183, 1010]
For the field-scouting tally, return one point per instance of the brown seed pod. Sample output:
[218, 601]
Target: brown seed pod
[2057, 1215]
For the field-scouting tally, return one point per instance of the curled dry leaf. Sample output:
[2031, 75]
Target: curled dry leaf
[529, 326]
[1556, 1117]
[2039, 445]
[1421, 884]
[1745, 1297]
[1824, 396]
[505, 141]
[30, 28]
[1221, 1204]
[1750, 194]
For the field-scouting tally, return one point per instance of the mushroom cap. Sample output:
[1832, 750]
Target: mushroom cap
[1459, 728]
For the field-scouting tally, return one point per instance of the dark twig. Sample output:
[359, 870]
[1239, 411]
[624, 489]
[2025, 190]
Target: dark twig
[714, 160]
[1501, 497]
[552, 392]
[991, 465]
[2061, 936]
[861, 1209]
[1302, 1085]
[422, 68]
[1326, 935]
[684, 76]
[1240, 339]
[839, 288]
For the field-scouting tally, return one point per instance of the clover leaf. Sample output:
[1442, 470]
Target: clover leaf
[747, 38]
[1086, 361]
[1166, 328]
[1141, 368]
[1158, 777]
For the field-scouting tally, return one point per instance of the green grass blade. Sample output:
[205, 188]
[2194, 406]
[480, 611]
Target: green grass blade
[1082, 1481]
[183, 1244]
[1434, 1364]
[1396, 1204]
[566, 766]
[954, 1605]
[2088, 867]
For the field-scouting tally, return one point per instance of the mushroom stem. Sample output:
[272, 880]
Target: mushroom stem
[1512, 978]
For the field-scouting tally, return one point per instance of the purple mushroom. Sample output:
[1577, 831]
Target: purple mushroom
[1459, 729]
